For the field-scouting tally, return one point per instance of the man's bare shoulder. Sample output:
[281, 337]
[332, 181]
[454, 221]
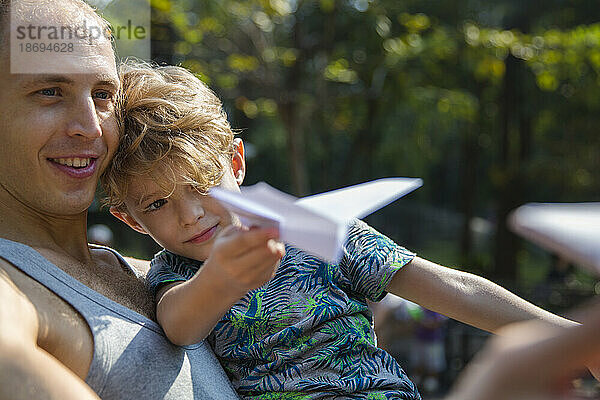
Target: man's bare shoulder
[39, 317]
[25, 293]
[13, 281]
[24, 352]
[21, 317]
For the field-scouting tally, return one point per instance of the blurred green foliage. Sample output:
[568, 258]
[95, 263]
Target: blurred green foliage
[493, 104]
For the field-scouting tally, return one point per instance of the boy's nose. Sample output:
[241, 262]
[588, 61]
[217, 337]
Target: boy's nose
[191, 214]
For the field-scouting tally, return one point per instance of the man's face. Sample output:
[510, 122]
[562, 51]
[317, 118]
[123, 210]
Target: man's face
[58, 132]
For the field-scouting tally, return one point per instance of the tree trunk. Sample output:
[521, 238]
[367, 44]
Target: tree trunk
[162, 40]
[468, 192]
[514, 155]
[290, 110]
[295, 147]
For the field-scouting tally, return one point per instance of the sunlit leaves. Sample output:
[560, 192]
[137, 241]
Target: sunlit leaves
[263, 21]
[161, 5]
[288, 56]
[554, 56]
[414, 23]
[252, 108]
[472, 34]
[360, 5]
[383, 26]
[227, 81]
[339, 71]
[393, 72]
[456, 104]
[283, 7]
[546, 80]
[210, 25]
[242, 63]
[327, 6]
[490, 69]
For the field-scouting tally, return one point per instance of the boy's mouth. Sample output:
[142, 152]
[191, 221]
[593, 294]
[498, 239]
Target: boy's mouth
[204, 235]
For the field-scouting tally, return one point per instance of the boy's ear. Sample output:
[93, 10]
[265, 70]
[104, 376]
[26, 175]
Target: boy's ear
[128, 219]
[238, 163]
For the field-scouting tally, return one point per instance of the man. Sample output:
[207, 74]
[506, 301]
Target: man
[530, 360]
[75, 322]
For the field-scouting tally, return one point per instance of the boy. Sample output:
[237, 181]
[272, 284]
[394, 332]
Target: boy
[283, 324]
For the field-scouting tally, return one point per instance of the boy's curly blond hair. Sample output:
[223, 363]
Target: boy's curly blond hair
[173, 129]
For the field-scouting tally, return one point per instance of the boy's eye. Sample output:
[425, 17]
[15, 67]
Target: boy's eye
[195, 189]
[156, 205]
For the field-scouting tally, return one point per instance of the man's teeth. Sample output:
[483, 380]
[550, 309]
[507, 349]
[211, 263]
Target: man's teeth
[73, 162]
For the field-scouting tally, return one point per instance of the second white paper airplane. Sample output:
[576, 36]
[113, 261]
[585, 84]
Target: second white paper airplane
[316, 224]
[571, 230]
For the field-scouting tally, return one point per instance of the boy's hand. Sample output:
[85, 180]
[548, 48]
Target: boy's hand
[245, 259]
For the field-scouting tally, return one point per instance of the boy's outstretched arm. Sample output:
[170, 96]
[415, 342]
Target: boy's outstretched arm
[465, 297]
[239, 262]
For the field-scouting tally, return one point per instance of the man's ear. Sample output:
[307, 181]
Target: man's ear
[238, 163]
[128, 219]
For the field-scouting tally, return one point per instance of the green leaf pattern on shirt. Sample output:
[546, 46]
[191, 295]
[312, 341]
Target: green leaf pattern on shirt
[307, 333]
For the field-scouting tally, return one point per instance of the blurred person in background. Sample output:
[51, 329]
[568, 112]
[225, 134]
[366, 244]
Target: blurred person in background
[428, 350]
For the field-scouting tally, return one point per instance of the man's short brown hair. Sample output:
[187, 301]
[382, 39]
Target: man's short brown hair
[70, 9]
[4, 22]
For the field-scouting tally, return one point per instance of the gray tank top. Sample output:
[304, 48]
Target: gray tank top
[132, 357]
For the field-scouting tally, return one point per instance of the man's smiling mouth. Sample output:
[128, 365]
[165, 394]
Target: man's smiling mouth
[75, 162]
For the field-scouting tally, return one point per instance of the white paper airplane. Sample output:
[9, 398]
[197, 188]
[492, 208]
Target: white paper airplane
[571, 230]
[316, 224]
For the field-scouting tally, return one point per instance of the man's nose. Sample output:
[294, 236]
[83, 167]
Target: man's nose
[85, 121]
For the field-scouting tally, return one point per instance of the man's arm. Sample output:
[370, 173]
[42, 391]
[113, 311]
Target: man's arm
[29, 372]
[465, 297]
[530, 361]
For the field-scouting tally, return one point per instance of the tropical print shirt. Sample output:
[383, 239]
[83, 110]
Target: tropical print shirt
[308, 332]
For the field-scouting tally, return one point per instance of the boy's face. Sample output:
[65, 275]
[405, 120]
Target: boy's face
[186, 222]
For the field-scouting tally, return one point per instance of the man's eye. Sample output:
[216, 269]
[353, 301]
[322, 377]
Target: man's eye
[156, 205]
[103, 95]
[50, 92]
